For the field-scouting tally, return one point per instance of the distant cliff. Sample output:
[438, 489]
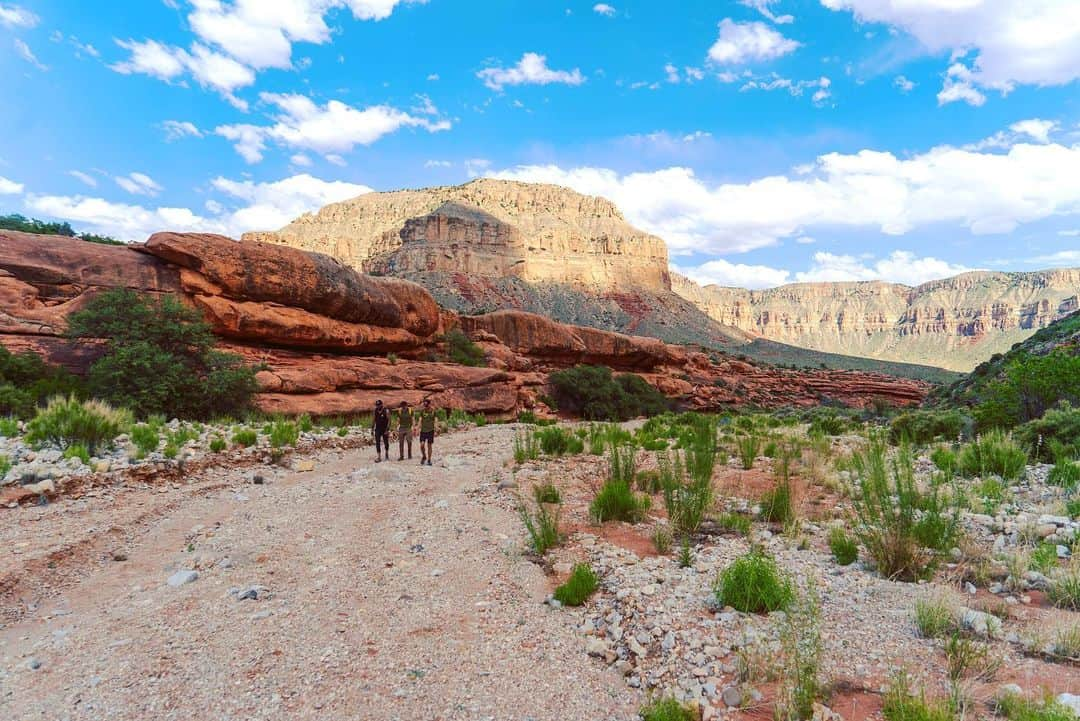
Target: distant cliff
[954, 323]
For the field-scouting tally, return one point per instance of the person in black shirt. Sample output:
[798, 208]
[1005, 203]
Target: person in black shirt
[380, 426]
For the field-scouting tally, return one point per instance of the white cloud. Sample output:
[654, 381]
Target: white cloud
[300, 160]
[10, 187]
[1033, 129]
[735, 275]
[437, 164]
[256, 206]
[27, 54]
[14, 16]
[763, 7]
[83, 178]
[1032, 42]
[905, 85]
[741, 43]
[985, 192]
[1061, 258]
[330, 129]
[532, 69]
[178, 129]
[959, 86]
[774, 81]
[138, 184]
[672, 73]
[335, 159]
[1070, 233]
[209, 68]
[604, 9]
[805, 240]
[476, 166]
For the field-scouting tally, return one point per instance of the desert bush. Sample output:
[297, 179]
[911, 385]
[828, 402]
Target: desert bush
[844, 548]
[1028, 387]
[546, 493]
[616, 501]
[900, 703]
[934, 617]
[245, 437]
[1064, 590]
[5, 466]
[593, 393]
[461, 350]
[801, 680]
[1066, 641]
[581, 584]
[26, 381]
[526, 447]
[778, 504]
[686, 478]
[67, 421]
[1043, 558]
[829, 423]
[283, 433]
[926, 426]
[667, 708]
[748, 447]
[160, 358]
[145, 438]
[964, 657]
[1059, 428]
[944, 459]
[754, 584]
[736, 522]
[304, 423]
[9, 427]
[903, 529]
[686, 554]
[78, 450]
[994, 452]
[1017, 708]
[218, 444]
[992, 492]
[558, 441]
[1065, 473]
[661, 538]
[542, 526]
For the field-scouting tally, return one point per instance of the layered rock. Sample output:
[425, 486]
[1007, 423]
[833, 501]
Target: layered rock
[540, 233]
[321, 331]
[953, 323]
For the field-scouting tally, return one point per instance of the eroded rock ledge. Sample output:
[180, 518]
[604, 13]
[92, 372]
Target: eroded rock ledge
[324, 331]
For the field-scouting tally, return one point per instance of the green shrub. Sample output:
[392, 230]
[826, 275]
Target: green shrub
[26, 381]
[343, 431]
[926, 426]
[754, 584]
[904, 529]
[5, 466]
[592, 392]
[558, 441]
[9, 427]
[171, 450]
[581, 584]
[160, 358]
[1018, 708]
[305, 423]
[67, 421]
[1058, 429]
[844, 548]
[461, 350]
[525, 447]
[283, 433]
[546, 493]
[992, 492]
[686, 555]
[801, 681]
[994, 452]
[245, 437]
[778, 505]
[77, 450]
[616, 501]
[1064, 590]
[1027, 388]
[901, 704]
[1072, 507]
[1065, 473]
[622, 463]
[944, 459]
[542, 525]
[667, 709]
[933, 617]
[828, 423]
[661, 538]
[748, 447]
[686, 478]
[218, 444]
[736, 522]
[145, 438]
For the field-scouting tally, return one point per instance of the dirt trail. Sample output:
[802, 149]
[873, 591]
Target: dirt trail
[393, 591]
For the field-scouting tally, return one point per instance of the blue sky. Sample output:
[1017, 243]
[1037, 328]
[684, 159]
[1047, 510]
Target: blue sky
[767, 141]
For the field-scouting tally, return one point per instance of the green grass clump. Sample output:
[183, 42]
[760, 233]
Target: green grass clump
[146, 439]
[661, 538]
[617, 501]
[736, 522]
[542, 525]
[343, 431]
[283, 433]
[778, 505]
[1064, 590]
[944, 459]
[844, 548]
[305, 423]
[902, 704]
[78, 450]
[9, 427]
[1018, 708]
[754, 584]
[218, 444]
[933, 617]
[69, 421]
[994, 452]
[667, 709]
[1044, 558]
[802, 682]
[525, 447]
[558, 441]
[686, 478]
[245, 437]
[1065, 473]
[547, 493]
[581, 584]
[748, 447]
[5, 466]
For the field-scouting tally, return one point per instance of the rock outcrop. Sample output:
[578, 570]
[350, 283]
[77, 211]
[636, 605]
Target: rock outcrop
[953, 323]
[322, 331]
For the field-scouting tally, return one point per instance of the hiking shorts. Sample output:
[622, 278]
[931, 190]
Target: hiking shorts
[428, 436]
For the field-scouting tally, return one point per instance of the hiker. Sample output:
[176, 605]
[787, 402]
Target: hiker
[380, 426]
[404, 430]
[427, 431]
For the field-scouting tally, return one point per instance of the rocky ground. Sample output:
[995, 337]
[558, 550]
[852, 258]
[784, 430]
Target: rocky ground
[392, 590]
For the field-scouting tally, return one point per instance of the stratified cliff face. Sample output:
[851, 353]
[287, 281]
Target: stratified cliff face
[539, 233]
[954, 323]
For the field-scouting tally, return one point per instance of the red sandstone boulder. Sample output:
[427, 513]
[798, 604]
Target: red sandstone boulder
[264, 272]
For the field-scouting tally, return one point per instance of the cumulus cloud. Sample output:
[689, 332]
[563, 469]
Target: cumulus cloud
[604, 9]
[10, 187]
[84, 178]
[905, 85]
[1030, 42]
[532, 69]
[735, 275]
[138, 184]
[959, 86]
[329, 130]
[764, 7]
[985, 192]
[209, 68]
[14, 16]
[741, 43]
[246, 205]
[300, 160]
[178, 129]
[1031, 130]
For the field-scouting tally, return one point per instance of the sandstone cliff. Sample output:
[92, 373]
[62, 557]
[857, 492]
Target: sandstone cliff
[540, 233]
[322, 331]
[954, 323]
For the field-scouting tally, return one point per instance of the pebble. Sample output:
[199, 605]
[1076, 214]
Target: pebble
[33, 664]
[732, 696]
[183, 577]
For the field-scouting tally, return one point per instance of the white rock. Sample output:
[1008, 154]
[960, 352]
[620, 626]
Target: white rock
[182, 577]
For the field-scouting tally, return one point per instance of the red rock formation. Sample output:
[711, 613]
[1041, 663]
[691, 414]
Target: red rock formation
[321, 330]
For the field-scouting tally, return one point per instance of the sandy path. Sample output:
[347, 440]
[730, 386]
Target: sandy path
[395, 591]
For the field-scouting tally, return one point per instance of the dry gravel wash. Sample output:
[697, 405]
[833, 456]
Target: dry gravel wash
[392, 591]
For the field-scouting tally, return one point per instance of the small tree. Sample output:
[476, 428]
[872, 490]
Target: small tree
[160, 358]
